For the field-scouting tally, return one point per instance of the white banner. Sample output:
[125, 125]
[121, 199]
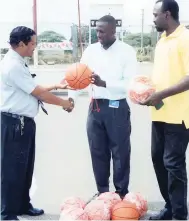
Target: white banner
[65, 45]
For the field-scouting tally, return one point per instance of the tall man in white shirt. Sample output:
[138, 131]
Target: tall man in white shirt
[20, 100]
[114, 63]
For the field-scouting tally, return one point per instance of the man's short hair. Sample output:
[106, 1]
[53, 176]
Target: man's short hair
[171, 6]
[109, 19]
[21, 33]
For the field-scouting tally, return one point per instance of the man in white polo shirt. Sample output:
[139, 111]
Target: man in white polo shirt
[20, 100]
[114, 63]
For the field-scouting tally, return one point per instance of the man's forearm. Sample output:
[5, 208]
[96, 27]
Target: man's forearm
[182, 86]
[50, 88]
[50, 98]
[46, 96]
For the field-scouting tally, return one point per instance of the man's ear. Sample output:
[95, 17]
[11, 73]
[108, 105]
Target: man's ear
[21, 44]
[113, 31]
[167, 14]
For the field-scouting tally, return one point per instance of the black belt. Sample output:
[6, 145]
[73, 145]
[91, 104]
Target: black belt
[16, 116]
[8, 117]
[104, 100]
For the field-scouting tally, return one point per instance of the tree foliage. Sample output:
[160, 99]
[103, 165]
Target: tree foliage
[50, 36]
[135, 40]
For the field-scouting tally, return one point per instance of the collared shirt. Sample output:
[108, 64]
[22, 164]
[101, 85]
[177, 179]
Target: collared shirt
[171, 65]
[16, 86]
[116, 65]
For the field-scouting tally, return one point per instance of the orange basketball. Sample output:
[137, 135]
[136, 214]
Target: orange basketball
[124, 211]
[78, 76]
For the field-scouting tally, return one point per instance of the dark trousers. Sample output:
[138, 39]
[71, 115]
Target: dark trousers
[17, 164]
[109, 135]
[169, 144]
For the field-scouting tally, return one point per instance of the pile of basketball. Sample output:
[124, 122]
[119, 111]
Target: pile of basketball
[107, 206]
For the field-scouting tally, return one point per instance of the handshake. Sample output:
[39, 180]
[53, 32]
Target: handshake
[68, 105]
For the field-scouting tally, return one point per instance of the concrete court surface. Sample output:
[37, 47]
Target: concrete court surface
[63, 165]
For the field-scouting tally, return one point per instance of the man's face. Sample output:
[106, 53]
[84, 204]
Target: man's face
[160, 18]
[27, 50]
[105, 32]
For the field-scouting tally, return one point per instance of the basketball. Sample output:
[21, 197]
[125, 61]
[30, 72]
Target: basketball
[139, 201]
[110, 198]
[141, 87]
[78, 76]
[124, 211]
[72, 202]
[98, 210]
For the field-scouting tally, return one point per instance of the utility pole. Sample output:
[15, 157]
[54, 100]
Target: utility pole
[35, 29]
[75, 42]
[142, 31]
[35, 15]
[79, 18]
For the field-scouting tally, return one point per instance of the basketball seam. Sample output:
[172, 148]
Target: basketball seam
[73, 75]
[79, 80]
[80, 76]
[81, 83]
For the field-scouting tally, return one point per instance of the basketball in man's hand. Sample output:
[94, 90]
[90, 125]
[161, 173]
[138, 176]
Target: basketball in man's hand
[78, 76]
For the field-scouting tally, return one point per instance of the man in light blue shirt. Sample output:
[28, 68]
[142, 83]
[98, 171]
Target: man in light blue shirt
[114, 63]
[21, 98]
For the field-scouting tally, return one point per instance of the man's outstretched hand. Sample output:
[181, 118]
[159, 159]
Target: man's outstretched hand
[153, 100]
[63, 86]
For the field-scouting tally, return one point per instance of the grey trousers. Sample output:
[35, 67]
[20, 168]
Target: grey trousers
[109, 136]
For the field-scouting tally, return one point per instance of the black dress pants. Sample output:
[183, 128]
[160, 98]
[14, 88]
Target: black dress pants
[109, 136]
[17, 164]
[169, 144]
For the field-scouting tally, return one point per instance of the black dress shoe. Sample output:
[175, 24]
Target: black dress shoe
[33, 212]
[164, 214]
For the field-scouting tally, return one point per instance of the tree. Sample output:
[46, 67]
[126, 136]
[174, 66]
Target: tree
[93, 35]
[135, 39]
[50, 36]
[84, 35]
